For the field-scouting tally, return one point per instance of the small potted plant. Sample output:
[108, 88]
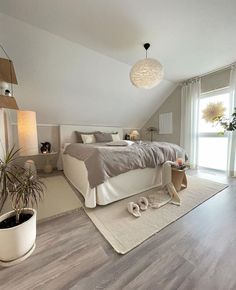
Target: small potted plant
[18, 227]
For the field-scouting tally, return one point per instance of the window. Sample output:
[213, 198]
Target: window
[212, 147]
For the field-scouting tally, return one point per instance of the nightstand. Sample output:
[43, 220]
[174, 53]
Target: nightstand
[48, 168]
[179, 178]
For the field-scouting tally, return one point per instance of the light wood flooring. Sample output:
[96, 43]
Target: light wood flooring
[196, 252]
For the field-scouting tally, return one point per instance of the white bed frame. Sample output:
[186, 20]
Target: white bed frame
[115, 188]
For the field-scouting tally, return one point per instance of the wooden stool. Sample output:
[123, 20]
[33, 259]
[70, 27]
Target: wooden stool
[179, 178]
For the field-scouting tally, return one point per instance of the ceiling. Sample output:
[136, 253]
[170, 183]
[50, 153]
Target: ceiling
[188, 37]
[67, 83]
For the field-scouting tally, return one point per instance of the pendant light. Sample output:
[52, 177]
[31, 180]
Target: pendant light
[7, 77]
[147, 72]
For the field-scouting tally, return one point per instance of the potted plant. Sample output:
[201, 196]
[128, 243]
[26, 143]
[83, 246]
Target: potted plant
[18, 227]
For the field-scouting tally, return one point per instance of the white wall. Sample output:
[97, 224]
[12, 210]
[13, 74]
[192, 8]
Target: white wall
[66, 83]
[171, 104]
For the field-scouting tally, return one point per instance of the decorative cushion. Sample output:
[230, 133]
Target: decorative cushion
[115, 136]
[88, 138]
[102, 137]
[79, 138]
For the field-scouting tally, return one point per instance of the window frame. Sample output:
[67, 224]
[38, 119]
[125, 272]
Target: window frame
[225, 90]
[212, 93]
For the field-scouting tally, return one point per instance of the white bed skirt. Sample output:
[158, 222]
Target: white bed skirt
[115, 188]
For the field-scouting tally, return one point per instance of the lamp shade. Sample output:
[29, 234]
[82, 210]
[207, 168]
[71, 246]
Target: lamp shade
[7, 72]
[146, 73]
[8, 102]
[7, 76]
[27, 133]
[135, 133]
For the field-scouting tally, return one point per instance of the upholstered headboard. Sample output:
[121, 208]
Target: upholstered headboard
[67, 134]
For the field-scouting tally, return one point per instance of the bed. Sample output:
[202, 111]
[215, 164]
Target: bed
[113, 188]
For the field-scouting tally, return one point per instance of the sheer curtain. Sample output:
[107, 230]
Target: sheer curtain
[190, 96]
[231, 164]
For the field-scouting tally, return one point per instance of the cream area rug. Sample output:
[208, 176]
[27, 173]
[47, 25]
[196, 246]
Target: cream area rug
[124, 232]
[59, 197]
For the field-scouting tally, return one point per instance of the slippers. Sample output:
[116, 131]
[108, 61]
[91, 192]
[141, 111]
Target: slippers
[143, 203]
[133, 208]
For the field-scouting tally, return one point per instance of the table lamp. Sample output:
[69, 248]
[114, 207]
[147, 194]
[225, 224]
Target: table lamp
[134, 135]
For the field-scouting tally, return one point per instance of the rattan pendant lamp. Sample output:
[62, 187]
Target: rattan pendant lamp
[7, 77]
[147, 72]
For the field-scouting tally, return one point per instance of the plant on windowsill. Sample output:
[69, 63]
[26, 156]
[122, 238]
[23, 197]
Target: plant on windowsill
[18, 227]
[214, 113]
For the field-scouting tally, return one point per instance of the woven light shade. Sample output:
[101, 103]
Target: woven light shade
[7, 71]
[27, 133]
[146, 73]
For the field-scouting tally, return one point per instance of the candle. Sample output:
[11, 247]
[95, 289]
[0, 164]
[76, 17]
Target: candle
[180, 161]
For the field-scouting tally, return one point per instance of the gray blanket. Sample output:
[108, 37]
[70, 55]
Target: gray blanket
[104, 161]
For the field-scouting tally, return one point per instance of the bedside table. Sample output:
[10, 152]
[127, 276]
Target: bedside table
[179, 178]
[48, 168]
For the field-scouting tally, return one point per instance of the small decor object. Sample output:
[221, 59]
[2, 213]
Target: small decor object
[127, 137]
[152, 130]
[180, 160]
[17, 227]
[146, 73]
[178, 164]
[45, 147]
[30, 166]
[214, 113]
[7, 93]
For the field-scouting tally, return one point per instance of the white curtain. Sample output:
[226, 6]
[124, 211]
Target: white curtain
[231, 164]
[189, 119]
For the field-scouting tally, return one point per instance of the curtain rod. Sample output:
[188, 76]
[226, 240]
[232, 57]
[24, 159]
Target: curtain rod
[211, 72]
[217, 69]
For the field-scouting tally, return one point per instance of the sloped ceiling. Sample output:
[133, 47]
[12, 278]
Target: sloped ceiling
[66, 83]
[189, 37]
[73, 64]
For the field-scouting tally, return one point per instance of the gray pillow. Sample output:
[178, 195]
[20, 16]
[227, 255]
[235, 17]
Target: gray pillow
[103, 137]
[78, 135]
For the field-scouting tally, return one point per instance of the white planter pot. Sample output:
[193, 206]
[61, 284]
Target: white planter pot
[17, 243]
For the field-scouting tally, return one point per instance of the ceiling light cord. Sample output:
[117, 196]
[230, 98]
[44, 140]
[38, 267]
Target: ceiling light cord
[146, 46]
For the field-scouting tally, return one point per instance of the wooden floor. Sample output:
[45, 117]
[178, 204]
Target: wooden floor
[196, 252]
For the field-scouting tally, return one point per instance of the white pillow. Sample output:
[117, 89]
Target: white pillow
[88, 139]
[120, 143]
[115, 137]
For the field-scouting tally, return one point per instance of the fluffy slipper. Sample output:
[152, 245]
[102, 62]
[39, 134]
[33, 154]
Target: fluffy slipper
[133, 208]
[143, 203]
